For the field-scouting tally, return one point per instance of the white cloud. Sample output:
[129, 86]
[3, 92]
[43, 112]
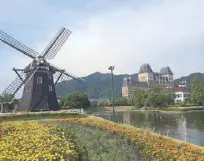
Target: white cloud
[159, 32]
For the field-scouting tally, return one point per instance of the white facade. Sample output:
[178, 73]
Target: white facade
[181, 96]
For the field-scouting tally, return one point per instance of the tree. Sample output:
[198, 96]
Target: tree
[121, 102]
[196, 91]
[139, 97]
[75, 100]
[6, 98]
[156, 97]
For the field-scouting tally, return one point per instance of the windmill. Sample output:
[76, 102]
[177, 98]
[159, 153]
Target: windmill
[39, 77]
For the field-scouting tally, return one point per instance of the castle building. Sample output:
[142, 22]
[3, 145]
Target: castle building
[148, 79]
[162, 78]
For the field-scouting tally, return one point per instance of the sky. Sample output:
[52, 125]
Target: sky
[123, 33]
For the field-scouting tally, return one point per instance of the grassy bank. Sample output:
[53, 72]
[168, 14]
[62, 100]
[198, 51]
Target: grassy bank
[119, 108]
[38, 115]
[175, 108]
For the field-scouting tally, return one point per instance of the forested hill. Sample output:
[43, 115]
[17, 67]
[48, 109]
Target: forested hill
[190, 77]
[99, 85]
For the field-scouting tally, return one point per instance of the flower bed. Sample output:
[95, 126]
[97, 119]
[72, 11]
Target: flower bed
[94, 143]
[149, 144]
[35, 141]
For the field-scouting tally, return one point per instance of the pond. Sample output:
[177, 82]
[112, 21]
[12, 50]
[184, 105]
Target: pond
[185, 126]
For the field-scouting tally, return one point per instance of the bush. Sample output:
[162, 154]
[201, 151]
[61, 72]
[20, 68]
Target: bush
[75, 100]
[121, 102]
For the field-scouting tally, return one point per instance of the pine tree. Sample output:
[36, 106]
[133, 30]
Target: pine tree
[196, 91]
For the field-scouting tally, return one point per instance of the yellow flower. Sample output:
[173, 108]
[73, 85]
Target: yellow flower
[34, 141]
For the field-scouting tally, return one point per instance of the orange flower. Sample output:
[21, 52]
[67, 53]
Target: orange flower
[150, 143]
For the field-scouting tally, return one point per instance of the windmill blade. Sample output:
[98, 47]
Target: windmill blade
[5, 38]
[58, 77]
[56, 43]
[66, 75]
[16, 85]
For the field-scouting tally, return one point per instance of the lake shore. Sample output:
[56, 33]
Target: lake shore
[169, 109]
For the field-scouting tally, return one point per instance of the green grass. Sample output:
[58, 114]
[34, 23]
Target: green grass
[176, 108]
[185, 108]
[120, 108]
[38, 116]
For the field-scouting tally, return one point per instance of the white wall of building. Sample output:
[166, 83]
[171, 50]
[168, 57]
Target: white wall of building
[181, 96]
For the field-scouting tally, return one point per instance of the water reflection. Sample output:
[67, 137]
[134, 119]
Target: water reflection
[188, 126]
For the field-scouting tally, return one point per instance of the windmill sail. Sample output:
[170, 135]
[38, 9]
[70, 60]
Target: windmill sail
[5, 38]
[56, 43]
[12, 88]
[66, 75]
[17, 84]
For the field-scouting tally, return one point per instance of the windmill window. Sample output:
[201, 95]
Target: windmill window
[39, 80]
[50, 88]
[28, 88]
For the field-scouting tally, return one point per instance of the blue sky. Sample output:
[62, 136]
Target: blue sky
[124, 33]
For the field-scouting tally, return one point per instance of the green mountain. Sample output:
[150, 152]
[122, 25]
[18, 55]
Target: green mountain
[98, 85]
[189, 79]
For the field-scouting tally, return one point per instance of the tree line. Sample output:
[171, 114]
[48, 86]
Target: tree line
[155, 97]
[142, 97]
[163, 97]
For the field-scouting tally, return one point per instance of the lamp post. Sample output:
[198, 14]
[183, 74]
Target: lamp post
[111, 68]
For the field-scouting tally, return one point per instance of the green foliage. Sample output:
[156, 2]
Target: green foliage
[75, 100]
[6, 98]
[121, 102]
[94, 144]
[139, 97]
[103, 104]
[154, 97]
[196, 91]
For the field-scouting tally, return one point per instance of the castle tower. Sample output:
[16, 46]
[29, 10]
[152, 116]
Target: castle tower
[168, 75]
[146, 74]
[127, 88]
